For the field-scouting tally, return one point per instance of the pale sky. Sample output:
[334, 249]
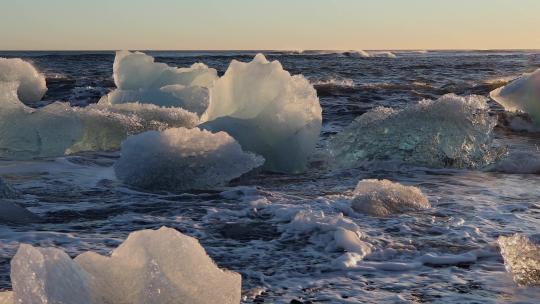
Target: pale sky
[269, 24]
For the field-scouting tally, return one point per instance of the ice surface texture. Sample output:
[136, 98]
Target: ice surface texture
[521, 255]
[140, 79]
[151, 266]
[451, 131]
[267, 111]
[27, 133]
[31, 83]
[522, 94]
[384, 198]
[181, 159]
[57, 129]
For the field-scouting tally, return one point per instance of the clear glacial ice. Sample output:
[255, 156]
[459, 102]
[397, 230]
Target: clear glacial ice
[451, 131]
[292, 236]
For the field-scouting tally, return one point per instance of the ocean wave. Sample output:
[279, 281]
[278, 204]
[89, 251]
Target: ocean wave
[333, 86]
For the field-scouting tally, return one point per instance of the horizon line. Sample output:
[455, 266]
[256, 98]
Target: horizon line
[262, 50]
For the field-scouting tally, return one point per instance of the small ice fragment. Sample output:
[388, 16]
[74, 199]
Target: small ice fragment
[521, 255]
[349, 241]
[384, 198]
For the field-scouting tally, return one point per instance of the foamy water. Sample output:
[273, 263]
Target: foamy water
[287, 234]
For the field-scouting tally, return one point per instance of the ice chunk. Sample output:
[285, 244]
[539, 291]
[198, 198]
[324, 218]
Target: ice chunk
[106, 126]
[349, 241]
[162, 266]
[140, 79]
[180, 159]
[58, 129]
[384, 198]
[522, 94]
[521, 255]
[6, 191]
[48, 275]
[27, 132]
[451, 131]
[11, 212]
[31, 83]
[151, 266]
[267, 111]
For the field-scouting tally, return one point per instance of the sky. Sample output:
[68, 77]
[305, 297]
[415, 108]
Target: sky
[269, 24]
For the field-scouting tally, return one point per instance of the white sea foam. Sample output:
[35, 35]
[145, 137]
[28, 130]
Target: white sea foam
[451, 131]
[384, 198]
[522, 94]
[385, 54]
[31, 83]
[151, 266]
[521, 255]
[267, 111]
[181, 159]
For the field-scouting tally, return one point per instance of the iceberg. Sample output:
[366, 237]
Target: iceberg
[151, 266]
[384, 198]
[521, 255]
[268, 111]
[182, 159]
[451, 131]
[31, 83]
[139, 78]
[522, 94]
